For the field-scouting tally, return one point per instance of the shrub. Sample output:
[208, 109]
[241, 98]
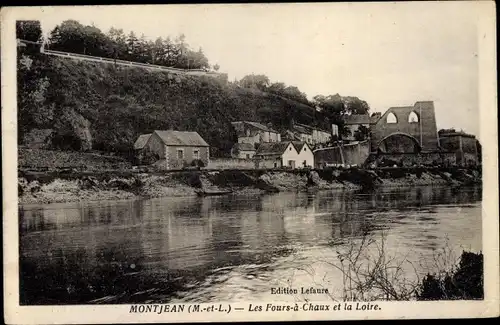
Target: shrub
[198, 163]
[464, 282]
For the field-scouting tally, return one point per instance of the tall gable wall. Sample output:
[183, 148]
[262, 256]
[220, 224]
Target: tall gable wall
[425, 131]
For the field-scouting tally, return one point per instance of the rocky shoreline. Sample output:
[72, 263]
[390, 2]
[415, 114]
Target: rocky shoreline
[44, 187]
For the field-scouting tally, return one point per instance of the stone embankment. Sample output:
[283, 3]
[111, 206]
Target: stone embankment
[46, 187]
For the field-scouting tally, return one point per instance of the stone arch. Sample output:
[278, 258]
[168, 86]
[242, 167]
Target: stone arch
[413, 117]
[391, 118]
[381, 145]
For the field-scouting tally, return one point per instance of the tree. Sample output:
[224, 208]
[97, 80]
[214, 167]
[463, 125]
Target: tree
[293, 92]
[118, 43]
[362, 133]
[96, 43]
[29, 30]
[144, 50]
[332, 108]
[277, 87]
[354, 105]
[158, 52]
[200, 60]
[255, 81]
[216, 67]
[170, 52]
[133, 50]
[32, 88]
[69, 36]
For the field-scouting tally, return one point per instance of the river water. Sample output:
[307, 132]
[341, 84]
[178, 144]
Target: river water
[236, 247]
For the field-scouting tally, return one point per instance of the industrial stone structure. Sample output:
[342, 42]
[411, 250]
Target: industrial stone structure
[406, 129]
[402, 136]
[464, 145]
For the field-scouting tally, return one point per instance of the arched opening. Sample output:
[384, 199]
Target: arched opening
[399, 143]
[413, 118]
[391, 118]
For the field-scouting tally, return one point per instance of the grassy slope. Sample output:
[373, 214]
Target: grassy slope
[120, 103]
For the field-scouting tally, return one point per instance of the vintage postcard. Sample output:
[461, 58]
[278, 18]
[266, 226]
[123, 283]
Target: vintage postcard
[249, 162]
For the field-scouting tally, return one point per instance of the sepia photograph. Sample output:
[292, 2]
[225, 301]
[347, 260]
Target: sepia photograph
[249, 162]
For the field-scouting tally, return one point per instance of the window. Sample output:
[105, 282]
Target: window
[413, 118]
[391, 118]
[196, 154]
[248, 156]
[305, 149]
[290, 149]
[180, 154]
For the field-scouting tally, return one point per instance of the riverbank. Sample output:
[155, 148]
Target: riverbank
[56, 187]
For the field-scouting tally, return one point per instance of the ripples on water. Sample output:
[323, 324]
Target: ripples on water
[227, 248]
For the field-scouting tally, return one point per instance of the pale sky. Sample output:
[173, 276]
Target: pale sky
[389, 54]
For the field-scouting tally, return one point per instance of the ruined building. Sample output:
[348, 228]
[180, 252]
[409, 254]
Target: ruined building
[407, 129]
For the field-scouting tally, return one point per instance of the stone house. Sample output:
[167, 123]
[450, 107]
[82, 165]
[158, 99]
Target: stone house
[284, 154]
[310, 134]
[353, 122]
[462, 144]
[175, 149]
[302, 133]
[243, 151]
[254, 132]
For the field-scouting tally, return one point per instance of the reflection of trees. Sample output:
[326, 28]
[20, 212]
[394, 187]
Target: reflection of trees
[76, 253]
[76, 265]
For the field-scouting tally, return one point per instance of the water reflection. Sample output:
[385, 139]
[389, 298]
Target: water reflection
[160, 249]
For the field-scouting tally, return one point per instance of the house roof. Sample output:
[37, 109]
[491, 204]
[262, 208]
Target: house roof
[456, 133]
[357, 119]
[309, 128]
[141, 141]
[289, 135]
[272, 148]
[181, 138]
[299, 145]
[302, 129]
[257, 125]
[244, 146]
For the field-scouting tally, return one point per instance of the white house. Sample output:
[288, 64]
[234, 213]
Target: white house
[305, 157]
[284, 154]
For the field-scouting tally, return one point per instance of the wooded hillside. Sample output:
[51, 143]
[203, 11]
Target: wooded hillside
[105, 107]
[102, 106]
